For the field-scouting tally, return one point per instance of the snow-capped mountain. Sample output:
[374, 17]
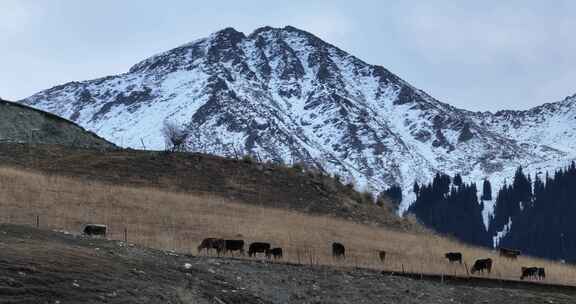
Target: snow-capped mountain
[288, 96]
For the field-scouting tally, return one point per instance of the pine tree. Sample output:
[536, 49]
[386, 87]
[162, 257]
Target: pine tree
[416, 188]
[544, 227]
[395, 194]
[452, 210]
[486, 191]
[522, 187]
[457, 180]
[538, 187]
[510, 201]
[541, 210]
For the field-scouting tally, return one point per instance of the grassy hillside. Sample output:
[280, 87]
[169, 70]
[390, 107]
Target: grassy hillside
[40, 266]
[243, 181]
[22, 124]
[178, 221]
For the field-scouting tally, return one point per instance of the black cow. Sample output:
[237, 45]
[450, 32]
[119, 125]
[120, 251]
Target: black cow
[454, 257]
[509, 253]
[481, 265]
[94, 230]
[257, 247]
[274, 252]
[530, 272]
[212, 243]
[234, 245]
[541, 273]
[338, 250]
[382, 256]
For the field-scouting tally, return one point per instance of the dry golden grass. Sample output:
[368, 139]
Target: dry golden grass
[178, 222]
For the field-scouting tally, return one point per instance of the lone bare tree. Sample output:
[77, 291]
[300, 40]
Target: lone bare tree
[174, 136]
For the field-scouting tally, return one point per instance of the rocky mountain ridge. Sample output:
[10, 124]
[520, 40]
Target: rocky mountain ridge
[287, 96]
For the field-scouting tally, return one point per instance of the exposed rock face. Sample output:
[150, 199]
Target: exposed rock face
[288, 96]
[22, 124]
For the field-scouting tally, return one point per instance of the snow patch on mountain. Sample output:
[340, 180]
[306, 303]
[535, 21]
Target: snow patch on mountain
[287, 96]
[501, 234]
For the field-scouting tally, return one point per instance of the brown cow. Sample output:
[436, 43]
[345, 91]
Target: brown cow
[234, 245]
[481, 265]
[454, 257]
[541, 273]
[529, 272]
[94, 230]
[338, 250]
[274, 252]
[212, 243]
[509, 253]
[257, 247]
[382, 255]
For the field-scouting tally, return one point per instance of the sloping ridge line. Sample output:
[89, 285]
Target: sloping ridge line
[52, 116]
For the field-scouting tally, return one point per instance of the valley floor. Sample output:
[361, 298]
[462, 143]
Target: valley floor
[40, 266]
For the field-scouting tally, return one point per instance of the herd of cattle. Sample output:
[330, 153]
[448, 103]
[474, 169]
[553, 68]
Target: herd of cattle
[481, 265]
[231, 246]
[222, 246]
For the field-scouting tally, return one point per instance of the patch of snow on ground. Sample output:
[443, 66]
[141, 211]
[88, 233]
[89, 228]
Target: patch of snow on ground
[500, 234]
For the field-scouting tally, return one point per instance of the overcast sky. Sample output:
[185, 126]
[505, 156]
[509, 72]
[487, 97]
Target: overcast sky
[483, 55]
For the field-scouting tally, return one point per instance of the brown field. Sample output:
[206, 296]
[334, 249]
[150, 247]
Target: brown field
[178, 221]
[238, 180]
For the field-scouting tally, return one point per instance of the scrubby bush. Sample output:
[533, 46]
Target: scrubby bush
[248, 159]
[299, 166]
[175, 136]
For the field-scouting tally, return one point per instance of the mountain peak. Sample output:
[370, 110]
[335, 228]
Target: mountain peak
[228, 33]
[261, 30]
[287, 28]
[222, 46]
[232, 33]
[286, 95]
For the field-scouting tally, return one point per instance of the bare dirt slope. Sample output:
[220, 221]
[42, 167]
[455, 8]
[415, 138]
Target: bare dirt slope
[38, 266]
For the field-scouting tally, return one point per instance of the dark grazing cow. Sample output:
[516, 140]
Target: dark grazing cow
[541, 273]
[338, 250]
[274, 252]
[234, 245]
[481, 265]
[529, 272]
[454, 257]
[382, 255]
[258, 247]
[212, 243]
[509, 253]
[94, 230]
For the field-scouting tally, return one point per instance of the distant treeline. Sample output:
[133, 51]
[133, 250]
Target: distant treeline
[538, 214]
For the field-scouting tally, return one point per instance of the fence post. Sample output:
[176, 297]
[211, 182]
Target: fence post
[37, 221]
[421, 271]
[125, 235]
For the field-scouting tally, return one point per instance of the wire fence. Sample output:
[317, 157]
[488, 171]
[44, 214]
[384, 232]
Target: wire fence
[178, 222]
